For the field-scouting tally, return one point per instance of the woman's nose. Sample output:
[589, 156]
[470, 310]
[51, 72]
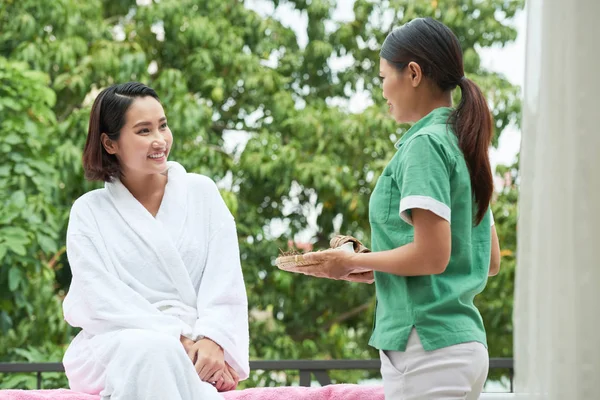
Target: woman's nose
[159, 141]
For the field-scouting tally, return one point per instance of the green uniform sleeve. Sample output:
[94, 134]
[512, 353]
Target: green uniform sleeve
[423, 177]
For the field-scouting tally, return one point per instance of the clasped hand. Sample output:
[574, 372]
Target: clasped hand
[208, 359]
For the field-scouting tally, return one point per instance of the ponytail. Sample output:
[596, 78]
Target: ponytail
[473, 124]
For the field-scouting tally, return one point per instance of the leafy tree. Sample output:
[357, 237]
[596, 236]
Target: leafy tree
[225, 71]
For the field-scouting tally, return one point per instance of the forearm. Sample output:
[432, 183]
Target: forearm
[407, 260]
[495, 254]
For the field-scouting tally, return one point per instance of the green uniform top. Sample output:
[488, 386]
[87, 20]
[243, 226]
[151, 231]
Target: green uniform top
[429, 172]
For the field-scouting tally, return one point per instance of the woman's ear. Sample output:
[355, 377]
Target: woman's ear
[415, 73]
[109, 145]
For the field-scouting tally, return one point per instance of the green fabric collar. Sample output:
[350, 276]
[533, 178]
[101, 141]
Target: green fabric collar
[435, 117]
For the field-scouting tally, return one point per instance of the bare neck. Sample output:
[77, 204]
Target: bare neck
[430, 103]
[147, 189]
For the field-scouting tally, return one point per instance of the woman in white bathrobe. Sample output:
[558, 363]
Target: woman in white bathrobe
[157, 284]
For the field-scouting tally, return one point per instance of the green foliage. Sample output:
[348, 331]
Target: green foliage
[40, 335]
[221, 70]
[29, 222]
[496, 302]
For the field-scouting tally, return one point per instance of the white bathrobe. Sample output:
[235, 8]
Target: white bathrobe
[139, 282]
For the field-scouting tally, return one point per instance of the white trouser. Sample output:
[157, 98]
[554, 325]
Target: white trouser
[451, 373]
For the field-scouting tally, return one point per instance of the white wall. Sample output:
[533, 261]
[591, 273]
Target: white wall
[557, 299]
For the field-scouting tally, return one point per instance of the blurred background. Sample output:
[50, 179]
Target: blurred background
[280, 103]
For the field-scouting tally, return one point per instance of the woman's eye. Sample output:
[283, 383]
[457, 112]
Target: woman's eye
[164, 126]
[145, 130]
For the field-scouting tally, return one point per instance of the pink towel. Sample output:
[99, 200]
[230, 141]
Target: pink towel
[331, 392]
[58, 394]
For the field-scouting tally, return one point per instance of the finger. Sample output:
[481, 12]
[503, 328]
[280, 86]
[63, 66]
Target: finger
[234, 374]
[229, 384]
[319, 273]
[203, 369]
[310, 270]
[228, 375]
[211, 374]
[216, 375]
[220, 384]
[225, 382]
[298, 270]
[313, 257]
[317, 257]
[192, 353]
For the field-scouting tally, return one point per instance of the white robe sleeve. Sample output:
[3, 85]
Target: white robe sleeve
[99, 302]
[222, 300]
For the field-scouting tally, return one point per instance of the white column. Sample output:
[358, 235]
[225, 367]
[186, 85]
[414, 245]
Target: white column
[557, 291]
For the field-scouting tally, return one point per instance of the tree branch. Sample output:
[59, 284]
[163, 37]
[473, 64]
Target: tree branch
[349, 314]
[55, 257]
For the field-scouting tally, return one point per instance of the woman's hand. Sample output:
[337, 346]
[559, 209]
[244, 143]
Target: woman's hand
[333, 264]
[229, 379]
[187, 345]
[208, 359]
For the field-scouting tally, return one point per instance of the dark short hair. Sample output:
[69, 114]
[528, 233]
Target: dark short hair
[108, 116]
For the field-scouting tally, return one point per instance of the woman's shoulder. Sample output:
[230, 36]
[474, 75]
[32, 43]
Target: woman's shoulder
[201, 182]
[88, 200]
[203, 188]
[82, 215]
[436, 137]
[192, 180]
[439, 133]
[208, 194]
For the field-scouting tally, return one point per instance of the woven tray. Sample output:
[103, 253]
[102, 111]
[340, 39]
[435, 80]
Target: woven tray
[291, 262]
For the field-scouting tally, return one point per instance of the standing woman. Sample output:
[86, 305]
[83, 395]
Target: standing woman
[433, 239]
[157, 285]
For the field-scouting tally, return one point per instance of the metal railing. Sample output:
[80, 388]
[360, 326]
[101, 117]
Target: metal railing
[307, 368]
